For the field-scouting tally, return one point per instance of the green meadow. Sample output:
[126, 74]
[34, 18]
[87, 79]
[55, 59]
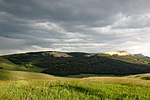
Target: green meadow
[74, 76]
[19, 85]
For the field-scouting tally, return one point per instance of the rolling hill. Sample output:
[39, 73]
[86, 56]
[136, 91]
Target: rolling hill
[22, 75]
[8, 65]
[20, 78]
[72, 63]
[20, 85]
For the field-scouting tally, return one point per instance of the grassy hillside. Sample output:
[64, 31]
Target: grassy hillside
[20, 85]
[67, 63]
[6, 64]
[21, 75]
[9, 65]
[135, 59]
[83, 76]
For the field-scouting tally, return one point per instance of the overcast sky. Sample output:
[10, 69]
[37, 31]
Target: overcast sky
[75, 25]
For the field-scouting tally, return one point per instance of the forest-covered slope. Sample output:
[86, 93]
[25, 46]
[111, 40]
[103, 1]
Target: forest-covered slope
[71, 63]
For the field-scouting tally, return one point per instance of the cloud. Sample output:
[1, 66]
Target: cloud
[74, 25]
[134, 21]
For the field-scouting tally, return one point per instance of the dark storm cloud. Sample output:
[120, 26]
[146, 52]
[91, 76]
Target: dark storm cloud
[74, 25]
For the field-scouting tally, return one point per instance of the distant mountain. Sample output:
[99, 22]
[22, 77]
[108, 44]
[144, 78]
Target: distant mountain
[71, 63]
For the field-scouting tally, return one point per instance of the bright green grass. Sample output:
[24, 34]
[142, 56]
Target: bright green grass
[18, 85]
[70, 90]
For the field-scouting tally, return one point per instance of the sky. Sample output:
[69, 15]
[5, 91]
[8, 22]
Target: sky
[74, 26]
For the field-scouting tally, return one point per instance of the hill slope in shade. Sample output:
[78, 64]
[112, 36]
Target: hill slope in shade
[71, 63]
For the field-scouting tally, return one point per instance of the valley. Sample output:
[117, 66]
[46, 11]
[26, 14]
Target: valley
[74, 76]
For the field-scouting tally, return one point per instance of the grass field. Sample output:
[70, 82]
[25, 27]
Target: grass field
[17, 85]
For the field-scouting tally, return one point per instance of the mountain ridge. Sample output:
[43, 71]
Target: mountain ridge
[105, 52]
[71, 63]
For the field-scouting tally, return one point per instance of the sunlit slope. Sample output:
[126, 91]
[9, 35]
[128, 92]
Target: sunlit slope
[6, 64]
[138, 79]
[34, 86]
[21, 75]
[130, 58]
[120, 53]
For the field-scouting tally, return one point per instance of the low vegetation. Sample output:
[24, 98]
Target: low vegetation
[6, 64]
[79, 76]
[21, 75]
[36, 86]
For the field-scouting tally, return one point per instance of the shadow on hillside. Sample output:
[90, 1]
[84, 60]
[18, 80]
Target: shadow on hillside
[77, 63]
[82, 89]
[97, 66]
